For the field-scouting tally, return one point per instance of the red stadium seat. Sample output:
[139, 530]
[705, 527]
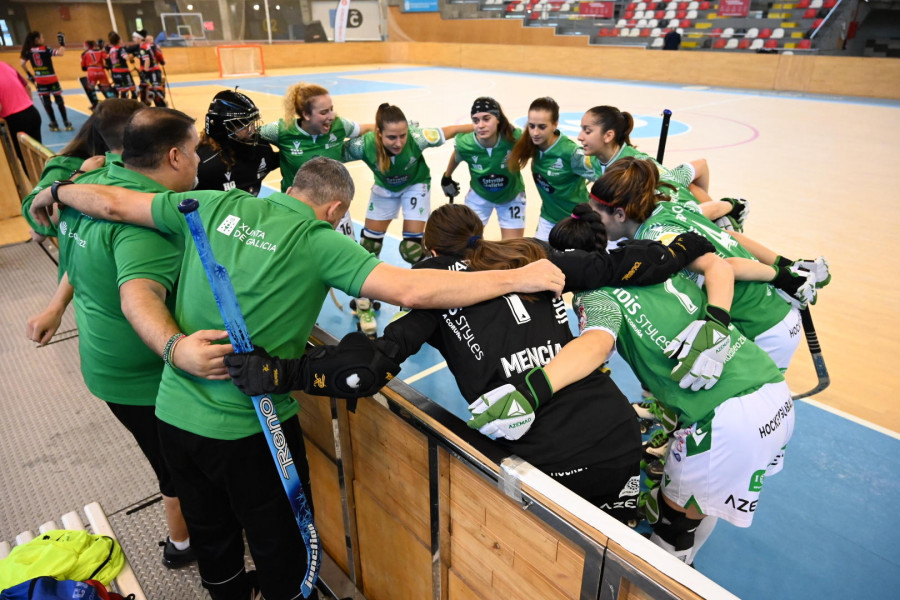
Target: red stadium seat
[716, 32]
[534, 16]
[683, 5]
[817, 23]
[604, 32]
[681, 14]
[685, 23]
[744, 44]
[659, 15]
[765, 33]
[829, 3]
[645, 32]
[810, 13]
[629, 14]
[719, 43]
[704, 6]
[771, 44]
[804, 44]
[803, 4]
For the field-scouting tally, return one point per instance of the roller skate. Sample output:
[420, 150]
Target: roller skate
[54, 126]
[653, 458]
[69, 126]
[650, 411]
[364, 310]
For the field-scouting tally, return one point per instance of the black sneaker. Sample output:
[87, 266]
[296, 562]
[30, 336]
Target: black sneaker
[174, 558]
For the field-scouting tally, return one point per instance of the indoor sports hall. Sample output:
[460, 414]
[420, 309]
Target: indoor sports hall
[814, 150]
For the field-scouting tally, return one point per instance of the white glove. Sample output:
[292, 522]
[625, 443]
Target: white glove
[796, 285]
[819, 268]
[701, 350]
[502, 412]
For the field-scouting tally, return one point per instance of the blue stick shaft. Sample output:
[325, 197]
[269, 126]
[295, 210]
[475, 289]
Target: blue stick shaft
[230, 310]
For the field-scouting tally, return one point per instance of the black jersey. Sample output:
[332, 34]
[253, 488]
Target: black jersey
[41, 59]
[251, 165]
[498, 341]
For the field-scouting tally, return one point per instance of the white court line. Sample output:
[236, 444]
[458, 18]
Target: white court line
[853, 418]
[425, 373]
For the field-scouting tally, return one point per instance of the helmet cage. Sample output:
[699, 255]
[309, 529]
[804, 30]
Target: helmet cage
[227, 119]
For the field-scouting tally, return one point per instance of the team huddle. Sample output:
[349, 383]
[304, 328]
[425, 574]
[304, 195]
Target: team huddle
[707, 318]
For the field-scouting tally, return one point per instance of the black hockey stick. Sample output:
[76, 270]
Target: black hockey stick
[815, 350]
[663, 135]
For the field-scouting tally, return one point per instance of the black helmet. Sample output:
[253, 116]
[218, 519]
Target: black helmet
[230, 112]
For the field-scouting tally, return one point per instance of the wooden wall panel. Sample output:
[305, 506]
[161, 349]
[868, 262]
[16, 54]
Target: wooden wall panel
[459, 589]
[502, 551]
[326, 493]
[315, 418]
[395, 562]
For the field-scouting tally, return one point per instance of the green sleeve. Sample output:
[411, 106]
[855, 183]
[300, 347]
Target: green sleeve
[599, 312]
[142, 253]
[354, 149]
[430, 137]
[581, 165]
[344, 264]
[269, 132]
[57, 168]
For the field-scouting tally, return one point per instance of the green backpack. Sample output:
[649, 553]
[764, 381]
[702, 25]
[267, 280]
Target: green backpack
[63, 554]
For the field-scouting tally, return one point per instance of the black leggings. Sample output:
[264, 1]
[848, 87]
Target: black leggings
[60, 105]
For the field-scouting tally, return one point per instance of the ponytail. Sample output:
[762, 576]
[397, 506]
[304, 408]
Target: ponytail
[386, 113]
[582, 230]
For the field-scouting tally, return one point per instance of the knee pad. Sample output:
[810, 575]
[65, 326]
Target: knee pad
[411, 249]
[372, 241]
[675, 527]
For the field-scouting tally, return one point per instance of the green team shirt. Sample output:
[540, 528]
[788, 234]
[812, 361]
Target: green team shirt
[559, 173]
[282, 261]
[675, 177]
[489, 168]
[407, 168]
[644, 320]
[296, 146]
[101, 256]
[58, 168]
[756, 307]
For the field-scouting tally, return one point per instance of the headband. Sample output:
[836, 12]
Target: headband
[600, 200]
[474, 239]
[486, 105]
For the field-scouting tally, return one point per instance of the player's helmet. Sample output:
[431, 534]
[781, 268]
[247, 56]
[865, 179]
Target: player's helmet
[230, 113]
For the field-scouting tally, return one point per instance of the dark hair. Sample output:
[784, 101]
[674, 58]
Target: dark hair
[455, 230]
[150, 134]
[610, 117]
[102, 131]
[114, 38]
[505, 129]
[525, 148]
[582, 230]
[30, 42]
[631, 184]
[386, 113]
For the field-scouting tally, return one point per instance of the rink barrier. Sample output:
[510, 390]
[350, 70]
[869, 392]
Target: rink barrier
[410, 503]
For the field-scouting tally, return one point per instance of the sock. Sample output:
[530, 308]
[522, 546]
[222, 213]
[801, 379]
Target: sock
[704, 530]
[183, 545]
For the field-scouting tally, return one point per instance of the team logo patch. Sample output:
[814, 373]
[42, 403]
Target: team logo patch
[432, 135]
[632, 488]
[63, 228]
[228, 224]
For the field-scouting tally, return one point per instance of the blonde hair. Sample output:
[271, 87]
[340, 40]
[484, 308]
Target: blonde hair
[299, 99]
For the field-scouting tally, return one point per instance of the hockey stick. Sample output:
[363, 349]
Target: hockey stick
[812, 340]
[168, 87]
[265, 408]
[663, 135]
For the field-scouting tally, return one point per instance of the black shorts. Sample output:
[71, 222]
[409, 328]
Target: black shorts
[45, 89]
[613, 489]
[123, 81]
[141, 421]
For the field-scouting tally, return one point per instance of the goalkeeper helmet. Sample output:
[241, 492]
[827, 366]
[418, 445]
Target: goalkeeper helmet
[233, 116]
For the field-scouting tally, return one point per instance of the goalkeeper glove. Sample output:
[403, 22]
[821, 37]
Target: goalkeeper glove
[735, 218]
[508, 411]
[450, 187]
[817, 266]
[701, 350]
[355, 367]
[796, 285]
[61, 38]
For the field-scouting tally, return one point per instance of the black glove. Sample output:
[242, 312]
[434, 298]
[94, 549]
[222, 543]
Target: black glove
[646, 262]
[689, 246]
[61, 38]
[356, 367]
[450, 187]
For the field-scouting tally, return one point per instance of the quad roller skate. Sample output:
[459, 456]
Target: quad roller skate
[650, 412]
[364, 311]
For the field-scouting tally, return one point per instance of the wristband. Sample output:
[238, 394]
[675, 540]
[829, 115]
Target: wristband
[54, 189]
[170, 346]
[781, 261]
[718, 314]
[76, 172]
[539, 385]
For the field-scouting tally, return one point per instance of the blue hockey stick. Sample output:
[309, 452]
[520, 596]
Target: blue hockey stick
[265, 408]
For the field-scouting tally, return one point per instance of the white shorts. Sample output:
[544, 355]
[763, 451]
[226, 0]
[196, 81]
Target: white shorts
[346, 226]
[720, 470]
[415, 199]
[781, 340]
[543, 230]
[511, 214]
